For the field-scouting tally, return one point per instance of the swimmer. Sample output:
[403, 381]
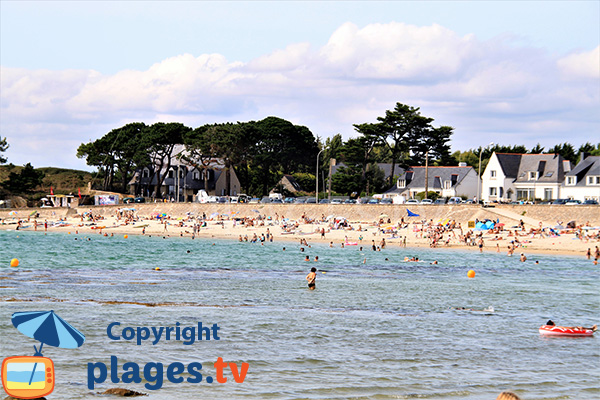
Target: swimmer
[312, 278]
[316, 258]
[307, 258]
[523, 258]
[188, 251]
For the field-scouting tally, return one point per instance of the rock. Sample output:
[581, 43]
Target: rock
[123, 392]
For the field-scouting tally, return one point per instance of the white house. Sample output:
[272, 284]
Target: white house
[445, 181]
[583, 182]
[510, 177]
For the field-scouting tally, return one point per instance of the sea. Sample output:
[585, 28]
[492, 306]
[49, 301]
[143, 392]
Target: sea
[376, 327]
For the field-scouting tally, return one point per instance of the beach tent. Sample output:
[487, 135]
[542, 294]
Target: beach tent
[484, 225]
[571, 225]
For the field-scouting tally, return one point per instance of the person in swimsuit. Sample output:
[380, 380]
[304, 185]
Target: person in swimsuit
[311, 278]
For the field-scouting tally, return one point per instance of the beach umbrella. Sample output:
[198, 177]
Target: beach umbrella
[31, 214]
[383, 216]
[48, 328]
[411, 214]
[13, 213]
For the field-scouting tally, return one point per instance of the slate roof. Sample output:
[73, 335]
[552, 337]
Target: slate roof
[589, 166]
[415, 177]
[509, 164]
[550, 168]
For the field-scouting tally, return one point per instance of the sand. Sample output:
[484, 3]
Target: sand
[112, 221]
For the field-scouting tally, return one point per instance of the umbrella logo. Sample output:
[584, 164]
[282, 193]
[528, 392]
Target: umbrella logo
[29, 377]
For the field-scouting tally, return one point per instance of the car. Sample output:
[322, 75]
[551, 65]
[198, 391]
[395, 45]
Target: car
[212, 199]
[276, 201]
[412, 201]
[439, 201]
[426, 201]
[254, 200]
[128, 200]
[223, 199]
[373, 201]
[311, 200]
[590, 201]
[573, 203]
[336, 201]
[386, 201]
[560, 201]
[350, 201]
[300, 200]
[265, 199]
[454, 200]
[139, 200]
[324, 201]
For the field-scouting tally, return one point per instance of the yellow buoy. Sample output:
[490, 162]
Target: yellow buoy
[125, 236]
[14, 262]
[157, 269]
[471, 274]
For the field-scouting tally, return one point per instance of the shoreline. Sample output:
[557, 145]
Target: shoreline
[224, 228]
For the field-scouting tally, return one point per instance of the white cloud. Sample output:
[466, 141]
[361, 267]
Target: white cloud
[473, 85]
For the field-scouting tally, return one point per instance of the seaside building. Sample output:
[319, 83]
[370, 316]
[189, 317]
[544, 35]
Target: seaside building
[583, 182]
[184, 178]
[512, 177]
[460, 181]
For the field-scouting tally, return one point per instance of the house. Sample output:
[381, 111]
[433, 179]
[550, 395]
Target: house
[184, 178]
[445, 181]
[511, 177]
[583, 182]
[289, 183]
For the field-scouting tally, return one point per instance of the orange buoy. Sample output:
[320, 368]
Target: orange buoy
[471, 274]
[126, 236]
[14, 262]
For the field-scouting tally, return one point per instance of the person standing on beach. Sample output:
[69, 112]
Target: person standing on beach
[311, 278]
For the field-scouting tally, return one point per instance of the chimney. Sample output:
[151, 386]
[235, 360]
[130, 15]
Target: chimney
[462, 164]
[566, 166]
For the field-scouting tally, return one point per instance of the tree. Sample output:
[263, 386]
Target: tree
[3, 147]
[160, 142]
[538, 149]
[589, 149]
[434, 142]
[566, 150]
[25, 181]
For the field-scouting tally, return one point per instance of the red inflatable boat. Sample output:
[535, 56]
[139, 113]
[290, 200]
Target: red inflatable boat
[552, 330]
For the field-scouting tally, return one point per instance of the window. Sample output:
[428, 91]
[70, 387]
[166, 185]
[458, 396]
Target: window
[593, 180]
[401, 183]
[548, 194]
[196, 175]
[525, 194]
[493, 191]
[171, 174]
[571, 180]
[182, 173]
[493, 174]
[447, 184]
[146, 173]
[533, 175]
[549, 174]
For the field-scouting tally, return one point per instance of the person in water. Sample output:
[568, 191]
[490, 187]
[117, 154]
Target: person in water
[311, 278]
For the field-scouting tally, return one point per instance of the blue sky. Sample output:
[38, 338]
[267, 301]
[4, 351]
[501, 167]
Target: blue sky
[504, 71]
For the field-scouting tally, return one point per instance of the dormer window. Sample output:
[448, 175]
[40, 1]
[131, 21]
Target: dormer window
[401, 183]
[593, 180]
[532, 176]
[571, 180]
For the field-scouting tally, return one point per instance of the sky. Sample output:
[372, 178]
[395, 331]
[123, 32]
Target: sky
[508, 72]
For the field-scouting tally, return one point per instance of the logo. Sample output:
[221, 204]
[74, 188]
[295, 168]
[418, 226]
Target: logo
[29, 377]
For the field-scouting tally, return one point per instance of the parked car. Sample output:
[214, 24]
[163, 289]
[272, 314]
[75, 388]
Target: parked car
[265, 199]
[277, 201]
[300, 200]
[560, 201]
[336, 201]
[386, 201]
[212, 199]
[412, 201]
[289, 200]
[254, 200]
[223, 199]
[373, 201]
[454, 200]
[573, 203]
[139, 200]
[128, 200]
[350, 201]
[311, 200]
[324, 201]
[426, 201]
[590, 201]
[439, 201]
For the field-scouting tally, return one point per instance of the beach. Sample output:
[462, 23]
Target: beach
[360, 225]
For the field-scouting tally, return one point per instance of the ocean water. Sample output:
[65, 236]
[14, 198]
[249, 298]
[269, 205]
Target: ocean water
[383, 329]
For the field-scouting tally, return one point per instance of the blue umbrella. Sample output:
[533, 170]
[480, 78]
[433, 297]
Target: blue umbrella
[48, 328]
